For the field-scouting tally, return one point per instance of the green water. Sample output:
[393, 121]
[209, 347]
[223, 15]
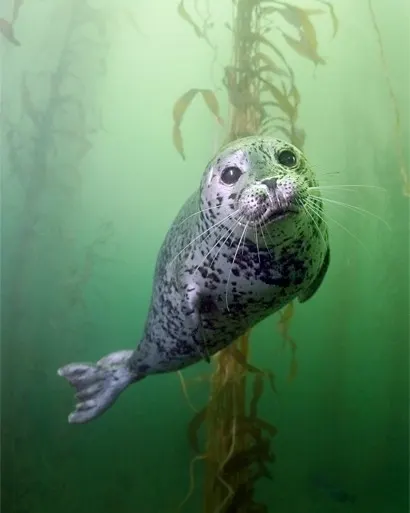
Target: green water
[90, 184]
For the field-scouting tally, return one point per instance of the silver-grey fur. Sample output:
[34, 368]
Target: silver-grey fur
[236, 253]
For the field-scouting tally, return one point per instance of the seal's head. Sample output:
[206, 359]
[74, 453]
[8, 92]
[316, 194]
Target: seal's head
[260, 182]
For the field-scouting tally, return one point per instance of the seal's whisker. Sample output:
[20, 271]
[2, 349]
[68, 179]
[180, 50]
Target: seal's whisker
[199, 212]
[313, 208]
[319, 171]
[269, 235]
[243, 243]
[318, 191]
[219, 239]
[233, 263]
[257, 245]
[346, 187]
[230, 232]
[202, 234]
[354, 208]
[264, 239]
[306, 208]
[323, 177]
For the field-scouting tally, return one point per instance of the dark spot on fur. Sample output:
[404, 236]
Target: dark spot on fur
[203, 271]
[214, 277]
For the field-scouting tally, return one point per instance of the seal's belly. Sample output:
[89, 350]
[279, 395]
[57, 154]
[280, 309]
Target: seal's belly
[174, 340]
[201, 306]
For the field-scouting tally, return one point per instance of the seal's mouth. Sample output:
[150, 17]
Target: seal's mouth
[274, 215]
[269, 215]
[280, 213]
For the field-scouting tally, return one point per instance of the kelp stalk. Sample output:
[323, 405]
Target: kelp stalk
[263, 99]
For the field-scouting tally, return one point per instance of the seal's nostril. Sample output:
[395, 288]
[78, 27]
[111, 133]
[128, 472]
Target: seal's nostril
[270, 183]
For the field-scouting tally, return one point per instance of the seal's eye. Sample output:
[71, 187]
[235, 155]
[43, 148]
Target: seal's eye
[287, 158]
[231, 175]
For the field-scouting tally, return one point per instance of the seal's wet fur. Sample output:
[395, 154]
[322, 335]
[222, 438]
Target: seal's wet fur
[241, 248]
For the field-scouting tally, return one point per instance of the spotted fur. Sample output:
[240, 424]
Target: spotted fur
[196, 309]
[218, 272]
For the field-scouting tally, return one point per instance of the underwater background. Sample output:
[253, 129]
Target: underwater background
[92, 176]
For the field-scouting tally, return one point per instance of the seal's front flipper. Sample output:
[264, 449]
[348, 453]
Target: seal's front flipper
[203, 350]
[97, 386]
[200, 306]
[199, 336]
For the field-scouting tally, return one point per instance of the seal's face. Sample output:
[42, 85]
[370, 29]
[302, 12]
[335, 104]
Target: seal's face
[259, 182]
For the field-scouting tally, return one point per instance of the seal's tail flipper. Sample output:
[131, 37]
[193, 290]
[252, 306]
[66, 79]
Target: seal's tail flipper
[97, 386]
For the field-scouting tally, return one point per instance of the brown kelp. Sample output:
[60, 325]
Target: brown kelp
[7, 26]
[263, 98]
[404, 171]
[180, 108]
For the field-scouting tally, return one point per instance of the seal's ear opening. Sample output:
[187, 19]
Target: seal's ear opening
[317, 282]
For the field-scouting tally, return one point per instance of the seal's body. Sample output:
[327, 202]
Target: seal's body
[242, 247]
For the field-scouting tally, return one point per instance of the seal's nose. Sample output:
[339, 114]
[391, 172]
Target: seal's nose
[270, 183]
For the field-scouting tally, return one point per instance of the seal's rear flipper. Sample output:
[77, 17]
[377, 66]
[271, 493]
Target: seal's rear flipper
[97, 386]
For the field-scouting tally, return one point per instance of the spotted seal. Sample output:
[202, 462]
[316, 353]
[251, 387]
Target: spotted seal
[244, 245]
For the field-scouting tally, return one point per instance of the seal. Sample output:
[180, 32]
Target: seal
[251, 239]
